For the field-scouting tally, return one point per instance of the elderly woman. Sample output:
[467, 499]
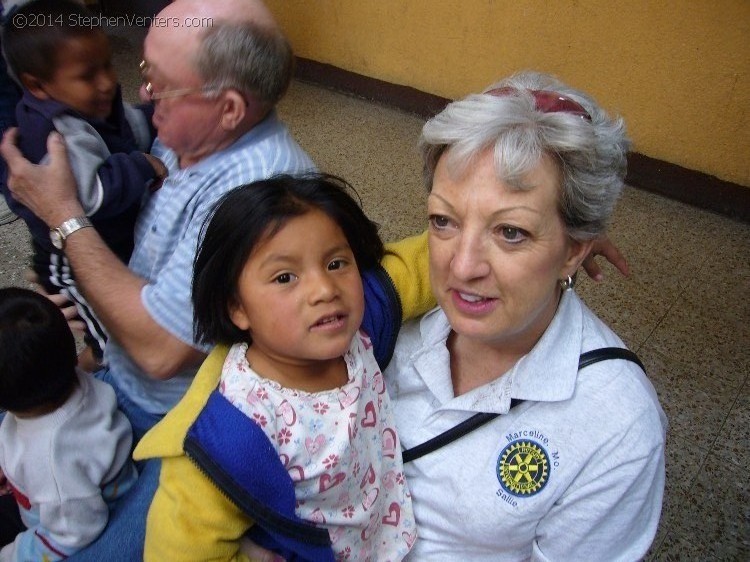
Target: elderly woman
[565, 462]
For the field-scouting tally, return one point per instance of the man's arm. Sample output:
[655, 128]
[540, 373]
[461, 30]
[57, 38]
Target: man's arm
[109, 286]
[603, 246]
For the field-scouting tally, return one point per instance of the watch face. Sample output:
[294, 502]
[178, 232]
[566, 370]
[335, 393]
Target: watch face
[56, 238]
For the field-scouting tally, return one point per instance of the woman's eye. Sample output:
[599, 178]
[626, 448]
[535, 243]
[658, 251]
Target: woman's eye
[439, 221]
[513, 234]
[284, 278]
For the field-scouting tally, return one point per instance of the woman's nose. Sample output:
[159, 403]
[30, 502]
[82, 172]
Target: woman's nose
[469, 259]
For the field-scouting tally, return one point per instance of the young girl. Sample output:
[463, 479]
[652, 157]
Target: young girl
[297, 444]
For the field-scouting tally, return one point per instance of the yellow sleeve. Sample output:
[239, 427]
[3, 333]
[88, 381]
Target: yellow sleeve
[407, 264]
[190, 519]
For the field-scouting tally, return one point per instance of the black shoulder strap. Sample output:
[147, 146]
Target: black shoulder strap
[605, 353]
[478, 420]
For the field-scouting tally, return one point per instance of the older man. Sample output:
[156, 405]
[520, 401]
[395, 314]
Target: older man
[214, 72]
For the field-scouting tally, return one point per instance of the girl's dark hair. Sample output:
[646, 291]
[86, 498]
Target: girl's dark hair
[33, 36]
[37, 351]
[250, 214]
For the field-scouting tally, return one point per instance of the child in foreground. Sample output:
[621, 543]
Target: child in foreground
[296, 446]
[69, 85]
[64, 445]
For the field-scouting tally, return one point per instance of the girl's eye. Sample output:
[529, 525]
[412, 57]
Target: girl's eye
[512, 234]
[284, 278]
[336, 264]
[439, 222]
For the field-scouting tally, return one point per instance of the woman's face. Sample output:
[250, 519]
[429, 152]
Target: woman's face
[497, 254]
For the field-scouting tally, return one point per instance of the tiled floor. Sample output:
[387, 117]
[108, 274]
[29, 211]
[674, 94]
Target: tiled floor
[685, 308]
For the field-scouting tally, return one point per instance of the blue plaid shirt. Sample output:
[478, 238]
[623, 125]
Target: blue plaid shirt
[166, 237]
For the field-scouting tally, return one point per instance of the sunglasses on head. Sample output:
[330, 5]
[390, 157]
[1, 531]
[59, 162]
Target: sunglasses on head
[546, 101]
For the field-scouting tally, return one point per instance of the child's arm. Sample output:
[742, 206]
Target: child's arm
[64, 528]
[108, 184]
[190, 519]
[407, 264]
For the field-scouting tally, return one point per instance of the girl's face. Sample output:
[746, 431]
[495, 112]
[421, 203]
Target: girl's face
[300, 298]
[497, 254]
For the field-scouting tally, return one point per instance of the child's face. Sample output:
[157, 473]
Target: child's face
[300, 294]
[84, 78]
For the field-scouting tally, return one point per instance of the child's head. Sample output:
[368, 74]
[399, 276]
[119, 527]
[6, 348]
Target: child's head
[54, 51]
[37, 351]
[266, 240]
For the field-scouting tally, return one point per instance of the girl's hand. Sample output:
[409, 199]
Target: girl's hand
[257, 553]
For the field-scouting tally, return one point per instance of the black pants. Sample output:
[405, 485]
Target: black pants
[10, 520]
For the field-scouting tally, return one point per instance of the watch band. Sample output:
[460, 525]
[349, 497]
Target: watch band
[59, 234]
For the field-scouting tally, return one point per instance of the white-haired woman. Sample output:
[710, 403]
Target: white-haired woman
[562, 461]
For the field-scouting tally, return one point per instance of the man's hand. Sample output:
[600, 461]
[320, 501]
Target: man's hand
[604, 247]
[48, 190]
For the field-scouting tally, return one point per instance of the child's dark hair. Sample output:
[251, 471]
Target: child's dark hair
[33, 35]
[37, 351]
[252, 213]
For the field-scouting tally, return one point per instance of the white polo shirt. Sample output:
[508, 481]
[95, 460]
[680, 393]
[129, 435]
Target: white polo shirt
[575, 472]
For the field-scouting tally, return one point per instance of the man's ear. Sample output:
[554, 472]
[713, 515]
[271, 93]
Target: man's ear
[234, 110]
[34, 85]
[577, 252]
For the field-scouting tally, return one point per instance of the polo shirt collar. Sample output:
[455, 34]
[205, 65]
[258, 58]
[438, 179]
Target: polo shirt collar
[546, 374]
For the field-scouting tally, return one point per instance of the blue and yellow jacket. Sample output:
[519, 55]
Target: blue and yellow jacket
[232, 483]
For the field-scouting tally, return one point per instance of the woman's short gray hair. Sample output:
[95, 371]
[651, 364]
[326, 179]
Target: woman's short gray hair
[590, 154]
[253, 59]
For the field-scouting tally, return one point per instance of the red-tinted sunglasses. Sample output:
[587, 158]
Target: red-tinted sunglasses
[546, 101]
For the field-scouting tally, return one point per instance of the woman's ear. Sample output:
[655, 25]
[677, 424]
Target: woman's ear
[234, 110]
[577, 252]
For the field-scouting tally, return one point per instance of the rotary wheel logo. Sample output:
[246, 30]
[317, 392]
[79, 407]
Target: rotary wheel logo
[522, 468]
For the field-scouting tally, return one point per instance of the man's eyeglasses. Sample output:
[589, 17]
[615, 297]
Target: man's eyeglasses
[153, 96]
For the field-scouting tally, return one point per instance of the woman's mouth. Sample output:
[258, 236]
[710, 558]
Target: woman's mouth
[472, 303]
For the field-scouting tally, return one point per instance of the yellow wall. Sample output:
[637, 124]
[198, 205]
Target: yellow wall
[678, 71]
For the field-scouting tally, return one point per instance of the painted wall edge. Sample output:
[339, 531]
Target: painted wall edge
[650, 174]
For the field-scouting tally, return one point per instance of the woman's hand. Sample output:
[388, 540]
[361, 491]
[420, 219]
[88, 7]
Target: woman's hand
[603, 246]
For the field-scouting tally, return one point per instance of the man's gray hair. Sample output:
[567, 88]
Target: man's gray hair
[591, 155]
[247, 57]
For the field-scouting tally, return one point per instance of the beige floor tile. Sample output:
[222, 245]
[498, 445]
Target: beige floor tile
[15, 253]
[696, 404]
[733, 442]
[704, 340]
[716, 511]
[683, 461]
[675, 548]
[371, 146]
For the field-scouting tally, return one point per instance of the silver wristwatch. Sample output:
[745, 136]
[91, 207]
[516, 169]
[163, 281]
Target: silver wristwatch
[59, 234]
